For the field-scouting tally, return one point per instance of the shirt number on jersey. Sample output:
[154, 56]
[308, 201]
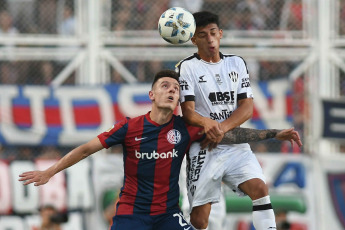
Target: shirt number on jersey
[181, 219]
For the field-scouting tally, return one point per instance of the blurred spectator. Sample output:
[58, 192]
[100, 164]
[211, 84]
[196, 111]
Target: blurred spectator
[191, 6]
[224, 8]
[342, 84]
[46, 16]
[342, 18]
[8, 153]
[146, 70]
[50, 152]
[274, 70]
[153, 11]
[51, 219]
[259, 147]
[342, 148]
[25, 153]
[67, 25]
[23, 14]
[253, 13]
[296, 15]
[7, 30]
[272, 13]
[47, 72]
[2, 152]
[6, 24]
[3, 5]
[124, 15]
[292, 15]
[8, 73]
[299, 107]
[281, 220]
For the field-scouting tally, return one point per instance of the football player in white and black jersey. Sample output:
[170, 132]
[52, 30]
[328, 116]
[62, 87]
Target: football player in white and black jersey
[216, 95]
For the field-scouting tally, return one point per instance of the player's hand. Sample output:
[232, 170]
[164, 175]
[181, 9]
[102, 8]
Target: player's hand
[214, 134]
[37, 177]
[289, 135]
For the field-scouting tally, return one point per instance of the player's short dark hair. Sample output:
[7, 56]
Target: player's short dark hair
[203, 18]
[165, 73]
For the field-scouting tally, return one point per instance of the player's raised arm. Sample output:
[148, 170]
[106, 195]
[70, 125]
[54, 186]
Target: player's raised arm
[245, 135]
[73, 157]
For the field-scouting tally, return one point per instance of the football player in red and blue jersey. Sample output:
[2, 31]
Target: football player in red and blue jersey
[154, 145]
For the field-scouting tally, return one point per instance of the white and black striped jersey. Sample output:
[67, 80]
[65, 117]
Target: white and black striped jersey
[214, 87]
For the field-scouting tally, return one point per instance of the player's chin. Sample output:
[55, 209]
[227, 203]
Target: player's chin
[170, 106]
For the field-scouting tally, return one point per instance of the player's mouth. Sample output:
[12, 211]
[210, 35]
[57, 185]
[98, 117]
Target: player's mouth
[171, 98]
[212, 48]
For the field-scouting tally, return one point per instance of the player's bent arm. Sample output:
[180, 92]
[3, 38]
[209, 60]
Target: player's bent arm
[244, 135]
[211, 127]
[243, 112]
[73, 157]
[189, 114]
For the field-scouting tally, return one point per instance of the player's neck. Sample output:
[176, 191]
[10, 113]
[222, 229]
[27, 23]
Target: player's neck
[161, 116]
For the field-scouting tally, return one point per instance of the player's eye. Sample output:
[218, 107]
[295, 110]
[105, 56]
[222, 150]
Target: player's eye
[202, 35]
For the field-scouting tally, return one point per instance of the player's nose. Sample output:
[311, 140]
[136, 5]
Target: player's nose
[209, 38]
[172, 90]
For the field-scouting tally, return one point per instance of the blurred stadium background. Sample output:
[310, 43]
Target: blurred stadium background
[69, 69]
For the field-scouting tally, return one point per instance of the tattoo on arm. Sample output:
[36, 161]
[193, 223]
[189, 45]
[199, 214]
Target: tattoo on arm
[244, 135]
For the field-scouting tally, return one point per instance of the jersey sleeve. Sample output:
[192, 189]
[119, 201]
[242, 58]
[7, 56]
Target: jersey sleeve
[115, 135]
[186, 83]
[244, 90]
[195, 133]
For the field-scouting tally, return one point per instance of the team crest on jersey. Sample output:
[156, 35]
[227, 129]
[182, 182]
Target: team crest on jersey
[218, 79]
[174, 136]
[233, 76]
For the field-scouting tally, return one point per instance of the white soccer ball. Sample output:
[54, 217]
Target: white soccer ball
[176, 25]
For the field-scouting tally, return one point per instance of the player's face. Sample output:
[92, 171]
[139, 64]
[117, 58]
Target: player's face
[165, 93]
[207, 39]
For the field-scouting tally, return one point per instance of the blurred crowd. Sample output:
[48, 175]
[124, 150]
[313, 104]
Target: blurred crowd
[58, 17]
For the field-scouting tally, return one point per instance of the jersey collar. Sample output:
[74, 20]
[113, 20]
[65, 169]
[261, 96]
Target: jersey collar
[147, 116]
[198, 57]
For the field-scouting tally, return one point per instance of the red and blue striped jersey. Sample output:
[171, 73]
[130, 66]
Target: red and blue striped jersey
[152, 157]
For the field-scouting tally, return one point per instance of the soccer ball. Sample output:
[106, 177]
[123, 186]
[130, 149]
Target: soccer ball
[176, 25]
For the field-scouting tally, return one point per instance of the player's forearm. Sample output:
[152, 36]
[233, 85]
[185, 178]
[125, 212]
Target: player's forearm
[244, 135]
[76, 155]
[239, 116]
[68, 160]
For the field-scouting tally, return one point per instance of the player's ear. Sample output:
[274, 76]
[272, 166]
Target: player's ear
[193, 40]
[221, 33]
[151, 95]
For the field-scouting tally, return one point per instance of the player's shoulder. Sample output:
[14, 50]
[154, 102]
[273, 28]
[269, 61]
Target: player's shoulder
[236, 60]
[233, 57]
[185, 61]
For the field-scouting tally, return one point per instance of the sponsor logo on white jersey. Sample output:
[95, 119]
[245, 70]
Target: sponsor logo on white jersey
[156, 155]
[183, 85]
[201, 79]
